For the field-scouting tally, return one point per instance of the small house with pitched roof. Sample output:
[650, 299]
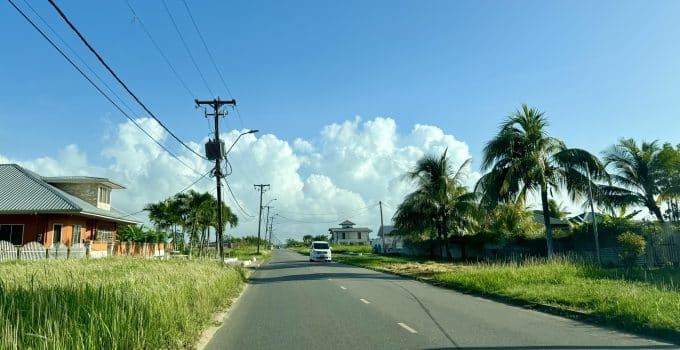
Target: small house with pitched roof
[348, 234]
[56, 210]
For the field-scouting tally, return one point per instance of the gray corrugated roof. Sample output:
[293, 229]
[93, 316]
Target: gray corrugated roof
[347, 222]
[354, 229]
[23, 191]
[82, 179]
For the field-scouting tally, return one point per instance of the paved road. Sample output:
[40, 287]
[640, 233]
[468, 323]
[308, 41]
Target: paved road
[294, 304]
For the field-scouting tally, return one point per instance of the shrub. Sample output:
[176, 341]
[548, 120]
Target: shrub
[633, 247]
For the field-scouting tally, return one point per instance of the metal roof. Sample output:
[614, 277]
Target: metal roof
[25, 192]
[354, 229]
[347, 222]
[82, 179]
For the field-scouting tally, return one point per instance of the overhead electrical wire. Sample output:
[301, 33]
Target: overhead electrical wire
[160, 51]
[212, 59]
[118, 79]
[353, 212]
[176, 193]
[186, 47]
[82, 61]
[236, 200]
[54, 45]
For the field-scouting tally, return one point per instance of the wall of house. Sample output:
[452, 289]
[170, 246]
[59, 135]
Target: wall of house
[40, 228]
[351, 237]
[67, 222]
[85, 191]
[34, 225]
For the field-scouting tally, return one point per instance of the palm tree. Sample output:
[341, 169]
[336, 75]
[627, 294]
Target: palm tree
[640, 175]
[522, 158]
[159, 214]
[440, 203]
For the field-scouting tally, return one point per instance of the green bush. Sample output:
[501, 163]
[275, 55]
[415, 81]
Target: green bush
[633, 247]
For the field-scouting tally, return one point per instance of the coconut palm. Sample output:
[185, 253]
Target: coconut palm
[640, 175]
[440, 203]
[523, 159]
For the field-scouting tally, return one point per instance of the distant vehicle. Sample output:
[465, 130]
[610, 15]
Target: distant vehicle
[319, 251]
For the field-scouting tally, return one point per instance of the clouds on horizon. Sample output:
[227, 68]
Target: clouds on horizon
[317, 183]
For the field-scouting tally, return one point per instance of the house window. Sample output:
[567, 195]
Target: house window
[56, 233]
[105, 235]
[75, 237]
[104, 195]
[358, 235]
[343, 235]
[12, 233]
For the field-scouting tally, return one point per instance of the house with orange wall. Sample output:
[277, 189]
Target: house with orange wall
[67, 210]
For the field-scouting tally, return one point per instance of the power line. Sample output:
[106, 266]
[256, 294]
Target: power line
[236, 200]
[176, 193]
[353, 212]
[160, 51]
[212, 59]
[95, 85]
[74, 52]
[186, 47]
[108, 68]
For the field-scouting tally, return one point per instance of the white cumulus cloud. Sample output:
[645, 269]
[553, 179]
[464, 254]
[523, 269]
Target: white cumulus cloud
[317, 183]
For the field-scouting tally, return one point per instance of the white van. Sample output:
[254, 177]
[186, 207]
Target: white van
[319, 251]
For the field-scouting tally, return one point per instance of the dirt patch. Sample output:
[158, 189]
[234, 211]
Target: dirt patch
[425, 269]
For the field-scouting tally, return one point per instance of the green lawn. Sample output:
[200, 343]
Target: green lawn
[248, 252]
[631, 299]
[113, 303]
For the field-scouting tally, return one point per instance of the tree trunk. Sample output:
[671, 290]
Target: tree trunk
[432, 240]
[546, 221]
[657, 212]
[445, 236]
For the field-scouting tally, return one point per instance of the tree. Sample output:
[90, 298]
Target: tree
[639, 176]
[509, 221]
[307, 239]
[320, 238]
[440, 204]
[194, 212]
[522, 158]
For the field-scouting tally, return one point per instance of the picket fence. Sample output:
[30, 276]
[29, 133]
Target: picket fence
[36, 251]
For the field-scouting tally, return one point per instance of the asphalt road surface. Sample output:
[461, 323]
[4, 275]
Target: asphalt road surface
[292, 303]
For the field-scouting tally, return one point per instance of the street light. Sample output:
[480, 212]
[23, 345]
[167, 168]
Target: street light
[218, 174]
[239, 136]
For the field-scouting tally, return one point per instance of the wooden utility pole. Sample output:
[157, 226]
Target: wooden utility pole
[271, 229]
[382, 228]
[216, 104]
[262, 188]
[266, 221]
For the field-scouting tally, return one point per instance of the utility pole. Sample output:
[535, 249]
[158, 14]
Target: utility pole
[266, 222]
[271, 229]
[262, 188]
[592, 212]
[215, 151]
[382, 227]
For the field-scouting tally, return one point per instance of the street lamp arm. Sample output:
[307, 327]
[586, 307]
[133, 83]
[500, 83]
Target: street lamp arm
[239, 136]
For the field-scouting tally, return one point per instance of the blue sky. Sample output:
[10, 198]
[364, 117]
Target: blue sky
[600, 70]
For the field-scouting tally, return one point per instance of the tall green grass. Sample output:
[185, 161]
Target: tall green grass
[117, 303]
[611, 295]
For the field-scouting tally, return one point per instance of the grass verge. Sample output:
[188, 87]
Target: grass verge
[248, 252]
[115, 303]
[636, 300]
